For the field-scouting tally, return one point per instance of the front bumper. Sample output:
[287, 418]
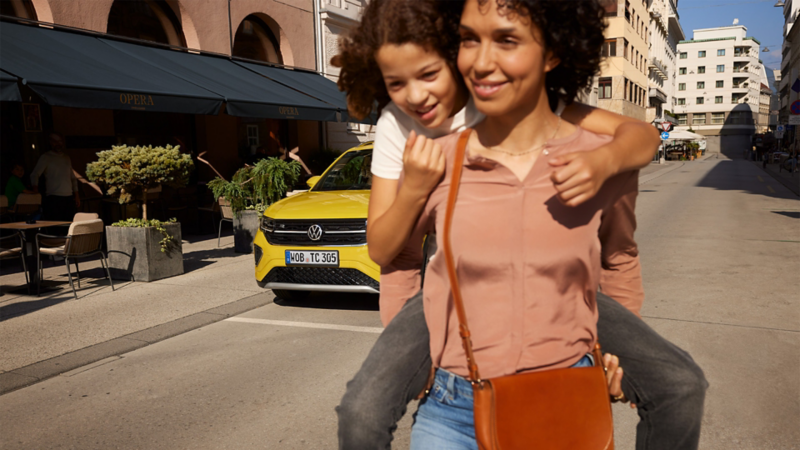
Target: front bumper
[356, 273]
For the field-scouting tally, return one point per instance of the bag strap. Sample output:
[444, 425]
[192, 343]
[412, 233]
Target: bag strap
[463, 329]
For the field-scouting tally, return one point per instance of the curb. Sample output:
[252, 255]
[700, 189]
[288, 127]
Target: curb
[42, 370]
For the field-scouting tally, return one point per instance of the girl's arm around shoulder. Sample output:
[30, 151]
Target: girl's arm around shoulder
[579, 176]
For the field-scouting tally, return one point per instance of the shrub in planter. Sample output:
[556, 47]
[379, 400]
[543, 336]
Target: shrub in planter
[145, 249]
[250, 191]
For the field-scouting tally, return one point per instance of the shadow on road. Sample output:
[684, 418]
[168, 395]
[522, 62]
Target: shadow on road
[202, 258]
[332, 300]
[792, 214]
[741, 175]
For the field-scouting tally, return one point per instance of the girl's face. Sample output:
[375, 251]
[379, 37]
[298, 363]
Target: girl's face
[419, 82]
[502, 59]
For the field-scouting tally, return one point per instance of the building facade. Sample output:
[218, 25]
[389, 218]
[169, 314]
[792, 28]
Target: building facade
[788, 90]
[719, 85]
[665, 33]
[336, 17]
[622, 86]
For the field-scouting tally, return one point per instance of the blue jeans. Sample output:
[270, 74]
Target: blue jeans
[665, 383]
[444, 419]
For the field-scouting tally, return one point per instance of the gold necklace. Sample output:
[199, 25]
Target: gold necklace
[538, 147]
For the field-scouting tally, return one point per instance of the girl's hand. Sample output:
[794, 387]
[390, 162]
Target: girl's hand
[423, 165]
[579, 176]
[614, 375]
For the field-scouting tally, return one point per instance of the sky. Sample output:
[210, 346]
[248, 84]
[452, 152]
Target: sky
[763, 21]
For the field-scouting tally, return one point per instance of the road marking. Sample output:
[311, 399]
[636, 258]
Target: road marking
[759, 178]
[769, 188]
[321, 326]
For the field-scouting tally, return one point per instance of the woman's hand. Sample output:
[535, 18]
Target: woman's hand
[423, 165]
[579, 176]
[614, 375]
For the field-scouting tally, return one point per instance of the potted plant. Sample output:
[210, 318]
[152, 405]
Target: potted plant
[142, 249]
[250, 191]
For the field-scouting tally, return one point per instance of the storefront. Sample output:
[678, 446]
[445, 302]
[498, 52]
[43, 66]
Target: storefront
[98, 91]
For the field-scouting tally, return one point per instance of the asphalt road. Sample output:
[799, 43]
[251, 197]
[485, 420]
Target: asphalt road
[720, 246]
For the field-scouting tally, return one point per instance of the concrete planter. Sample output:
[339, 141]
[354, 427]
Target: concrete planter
[135, 253]
[245, 227]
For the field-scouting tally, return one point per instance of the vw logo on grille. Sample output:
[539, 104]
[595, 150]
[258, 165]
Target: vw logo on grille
[315, 232]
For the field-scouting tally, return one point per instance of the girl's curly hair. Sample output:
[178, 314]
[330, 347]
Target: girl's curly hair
[573, 31]
[431, 24]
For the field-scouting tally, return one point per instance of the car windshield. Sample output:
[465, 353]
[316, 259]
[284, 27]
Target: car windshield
[351, 172]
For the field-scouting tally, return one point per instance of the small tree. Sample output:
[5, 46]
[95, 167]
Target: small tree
[257, 186]
[130, 171]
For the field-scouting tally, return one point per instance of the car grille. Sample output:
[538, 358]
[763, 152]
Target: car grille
[321, 276]
[334, 232]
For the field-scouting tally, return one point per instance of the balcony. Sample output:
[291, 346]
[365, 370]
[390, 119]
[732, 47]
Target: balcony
[658, 68]
[657, 95]
[742, 69]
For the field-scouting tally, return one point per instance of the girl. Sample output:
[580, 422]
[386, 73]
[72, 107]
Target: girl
[412, 42]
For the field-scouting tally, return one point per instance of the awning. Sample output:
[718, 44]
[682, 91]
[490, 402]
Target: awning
[83, 71]
[247, 94]
[69, 69]
[9, 90]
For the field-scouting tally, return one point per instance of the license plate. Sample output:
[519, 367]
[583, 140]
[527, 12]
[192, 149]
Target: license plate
[312, 258]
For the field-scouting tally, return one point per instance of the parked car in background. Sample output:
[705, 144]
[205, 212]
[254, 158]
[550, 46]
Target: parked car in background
[317, 240]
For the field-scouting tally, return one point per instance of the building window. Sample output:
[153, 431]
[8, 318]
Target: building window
[628, 11]
[698, 119]
[682, 71]
[681, 101]
[701, 85]
[717, 118]
[681, 86]
[721, 68]
[718, 99]
[604, 87]
[611, 9]
[684, 55]
[682, 120]
[721, 52]
[701, 54]
[625, 41]
[610, 48]
[701, 69]
[720, 83]
[252, 135]
[699, 101]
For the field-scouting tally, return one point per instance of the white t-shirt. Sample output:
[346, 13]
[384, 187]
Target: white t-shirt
[394, 126]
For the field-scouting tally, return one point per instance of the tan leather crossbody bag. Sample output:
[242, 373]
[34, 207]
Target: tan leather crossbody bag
[566, 409]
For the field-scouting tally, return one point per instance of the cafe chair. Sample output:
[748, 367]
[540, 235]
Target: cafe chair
[27, 204]
[12, 247]
[3, 204]
[226, 213]
[84, 239]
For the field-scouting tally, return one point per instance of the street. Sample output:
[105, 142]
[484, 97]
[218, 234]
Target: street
[720, 247]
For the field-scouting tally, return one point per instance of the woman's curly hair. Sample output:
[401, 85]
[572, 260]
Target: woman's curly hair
[573, 31]
[431, 24]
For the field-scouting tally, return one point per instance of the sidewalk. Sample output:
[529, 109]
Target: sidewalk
[41, 337]
[786, 178]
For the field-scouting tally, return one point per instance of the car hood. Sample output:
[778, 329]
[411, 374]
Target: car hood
[322, 205]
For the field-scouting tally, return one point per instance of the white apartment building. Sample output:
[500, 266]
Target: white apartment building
[335, 18]
[719, 86]
[665, 33]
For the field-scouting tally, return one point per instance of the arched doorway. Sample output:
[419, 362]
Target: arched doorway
[18, 8]
[255, 40]
[149, 20]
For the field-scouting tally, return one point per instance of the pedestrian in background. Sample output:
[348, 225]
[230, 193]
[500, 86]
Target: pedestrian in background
[62, 199]
[15, 186]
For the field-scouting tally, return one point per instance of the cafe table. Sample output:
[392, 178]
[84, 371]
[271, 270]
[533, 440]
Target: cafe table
[30, 230]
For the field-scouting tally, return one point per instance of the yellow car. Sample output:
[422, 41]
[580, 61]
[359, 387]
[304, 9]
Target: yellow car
[317, 240]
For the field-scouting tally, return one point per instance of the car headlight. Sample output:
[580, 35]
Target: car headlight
[267, 224]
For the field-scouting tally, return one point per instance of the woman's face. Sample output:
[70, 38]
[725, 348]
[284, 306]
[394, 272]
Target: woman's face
[502, 59]
[419, 82]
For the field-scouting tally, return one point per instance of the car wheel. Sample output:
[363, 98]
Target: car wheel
[291, 295]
